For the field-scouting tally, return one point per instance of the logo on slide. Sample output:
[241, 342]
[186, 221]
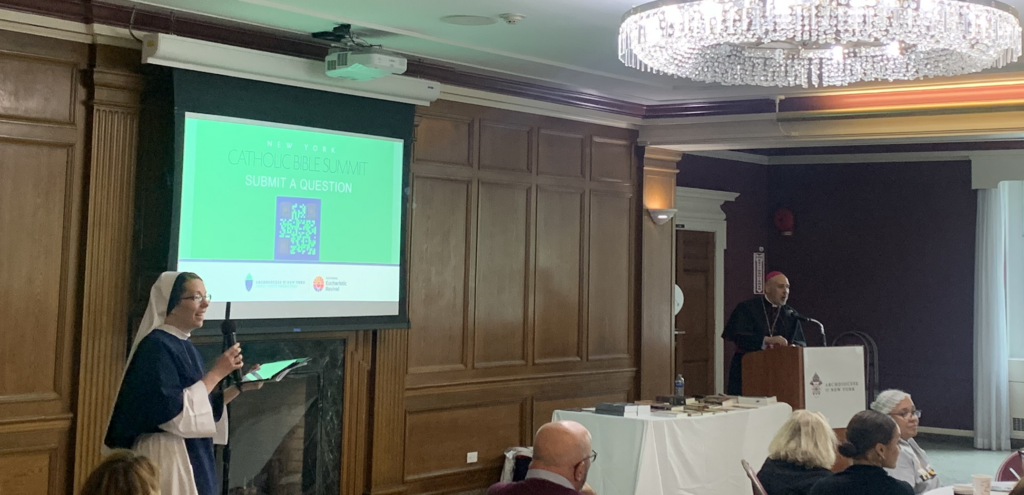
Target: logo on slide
[248, 282]
[298, 229]
[318, 283]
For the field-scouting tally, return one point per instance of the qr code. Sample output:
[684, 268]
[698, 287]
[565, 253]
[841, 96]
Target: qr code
[298, 229]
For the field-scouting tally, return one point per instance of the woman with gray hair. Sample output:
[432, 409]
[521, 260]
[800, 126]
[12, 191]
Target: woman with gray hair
[912, 466]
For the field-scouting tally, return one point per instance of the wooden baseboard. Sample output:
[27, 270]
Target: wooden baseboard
[398, 490]
[945, 431]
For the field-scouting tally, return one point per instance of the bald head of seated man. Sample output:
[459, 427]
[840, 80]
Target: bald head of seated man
[562, 457]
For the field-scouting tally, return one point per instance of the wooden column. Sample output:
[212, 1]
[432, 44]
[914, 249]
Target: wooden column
[656, 342]
[387, 463]
[115, 90]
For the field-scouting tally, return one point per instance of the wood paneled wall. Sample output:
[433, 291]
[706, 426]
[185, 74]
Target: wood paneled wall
[69, 115]
[522, 286]
[43, 119]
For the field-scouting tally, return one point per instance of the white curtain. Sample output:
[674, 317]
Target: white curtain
[991, 348]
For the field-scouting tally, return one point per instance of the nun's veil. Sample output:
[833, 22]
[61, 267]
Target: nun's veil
[159, 296]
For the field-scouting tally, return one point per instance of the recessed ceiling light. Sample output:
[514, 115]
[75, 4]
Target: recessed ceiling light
[468, 20]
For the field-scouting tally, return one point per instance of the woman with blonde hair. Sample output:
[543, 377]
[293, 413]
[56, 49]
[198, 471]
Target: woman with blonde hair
[802, 452]
[123, 472]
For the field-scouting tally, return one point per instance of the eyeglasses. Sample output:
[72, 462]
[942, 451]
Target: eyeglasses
[907, 414]
[592, 456]
[199, 298]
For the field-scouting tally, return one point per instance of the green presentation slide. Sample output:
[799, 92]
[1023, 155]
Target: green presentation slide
[262, 192]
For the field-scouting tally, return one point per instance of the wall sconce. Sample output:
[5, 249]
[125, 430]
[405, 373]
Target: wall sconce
[661, 216]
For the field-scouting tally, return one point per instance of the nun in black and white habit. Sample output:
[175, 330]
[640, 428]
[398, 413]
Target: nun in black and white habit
[168, 407]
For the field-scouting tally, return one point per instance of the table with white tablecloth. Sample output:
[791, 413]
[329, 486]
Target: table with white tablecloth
[687, 455]
[998, 487]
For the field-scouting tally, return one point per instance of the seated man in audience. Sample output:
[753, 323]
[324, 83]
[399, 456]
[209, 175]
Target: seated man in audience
[913, 466]
[561, 460]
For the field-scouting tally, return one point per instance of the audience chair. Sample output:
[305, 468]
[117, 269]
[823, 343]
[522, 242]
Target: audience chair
[1012, 464]
[754, 482]
[517, 463]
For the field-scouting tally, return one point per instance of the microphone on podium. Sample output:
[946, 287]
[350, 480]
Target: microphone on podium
[791, 312]
[227, 328]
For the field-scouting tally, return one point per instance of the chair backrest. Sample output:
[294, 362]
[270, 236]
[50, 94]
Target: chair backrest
[517, 462]
[755, 483]
[1013, 464]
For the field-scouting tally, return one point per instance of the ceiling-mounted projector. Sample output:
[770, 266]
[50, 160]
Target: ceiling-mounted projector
[363, 64]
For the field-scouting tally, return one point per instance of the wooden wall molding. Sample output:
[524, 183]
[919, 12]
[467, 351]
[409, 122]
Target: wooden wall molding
[655, 157]
[106, 290]
[355, 431]
[58, 422]
[539, 378]
[388, 437]
[584, 385]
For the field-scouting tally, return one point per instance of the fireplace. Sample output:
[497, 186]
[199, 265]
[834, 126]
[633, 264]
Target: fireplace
[285, 439]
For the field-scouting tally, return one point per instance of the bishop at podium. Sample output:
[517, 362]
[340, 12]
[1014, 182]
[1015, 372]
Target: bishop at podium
[760, 323]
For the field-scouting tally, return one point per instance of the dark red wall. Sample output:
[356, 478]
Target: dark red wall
[886, 249]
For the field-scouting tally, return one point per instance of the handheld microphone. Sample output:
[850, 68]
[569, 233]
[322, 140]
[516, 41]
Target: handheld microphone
[227, 328]
[791, 312]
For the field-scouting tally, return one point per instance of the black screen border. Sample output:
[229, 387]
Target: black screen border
[215, 95]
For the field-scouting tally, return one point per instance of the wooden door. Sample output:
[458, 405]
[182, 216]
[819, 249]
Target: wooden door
[695, 323]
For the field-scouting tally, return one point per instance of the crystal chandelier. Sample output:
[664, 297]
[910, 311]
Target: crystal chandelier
[818, 42]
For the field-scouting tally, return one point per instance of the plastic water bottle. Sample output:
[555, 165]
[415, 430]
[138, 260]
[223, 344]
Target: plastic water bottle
[680, 385]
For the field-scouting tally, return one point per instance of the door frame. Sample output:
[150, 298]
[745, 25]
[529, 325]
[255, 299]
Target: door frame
[701, 210]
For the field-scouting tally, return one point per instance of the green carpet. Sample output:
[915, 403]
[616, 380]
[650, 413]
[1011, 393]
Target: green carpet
[955, 459]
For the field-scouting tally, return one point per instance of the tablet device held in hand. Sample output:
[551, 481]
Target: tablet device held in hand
[275, 371]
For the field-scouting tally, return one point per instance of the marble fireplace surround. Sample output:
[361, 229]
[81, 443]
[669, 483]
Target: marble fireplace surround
[287, 438]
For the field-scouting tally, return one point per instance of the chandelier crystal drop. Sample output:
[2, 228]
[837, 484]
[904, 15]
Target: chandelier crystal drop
[818, 42]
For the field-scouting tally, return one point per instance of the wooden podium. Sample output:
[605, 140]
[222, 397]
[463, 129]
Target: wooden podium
[829, 380]
[778, 372]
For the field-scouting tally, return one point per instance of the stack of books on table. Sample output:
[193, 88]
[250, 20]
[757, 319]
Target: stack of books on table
[718, 404]
[622, 409]
[748, 403]
[675, 400]
[680, 406]
[755, 401]
[697, 410]
[720, 400]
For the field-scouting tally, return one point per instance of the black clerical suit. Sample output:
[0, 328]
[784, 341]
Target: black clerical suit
[749, 324]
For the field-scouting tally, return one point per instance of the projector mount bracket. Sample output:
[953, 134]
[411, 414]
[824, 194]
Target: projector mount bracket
[341, 37]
